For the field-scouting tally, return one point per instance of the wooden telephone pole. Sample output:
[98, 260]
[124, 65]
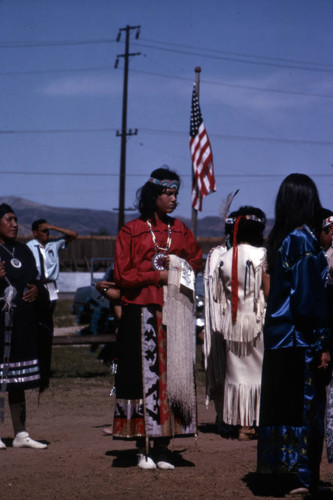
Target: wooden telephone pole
[124, 132]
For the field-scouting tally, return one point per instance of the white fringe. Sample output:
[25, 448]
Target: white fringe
[249, 324]
[241, 404]
[213, 308]
[222, 335]
[178, 316]
[241, 336]
[214, 344]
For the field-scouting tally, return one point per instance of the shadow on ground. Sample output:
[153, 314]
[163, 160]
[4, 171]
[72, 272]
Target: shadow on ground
[128, 458]
[279, 485]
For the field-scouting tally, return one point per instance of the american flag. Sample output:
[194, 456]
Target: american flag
[202, 156]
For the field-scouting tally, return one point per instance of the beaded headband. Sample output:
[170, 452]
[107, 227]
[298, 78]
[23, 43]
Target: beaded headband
[167, 183]
[232, 220]
[327, 222]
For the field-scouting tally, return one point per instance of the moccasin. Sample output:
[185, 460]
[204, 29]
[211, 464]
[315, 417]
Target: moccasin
[108, 431]
[299, 491]
[23, 440]
[145, 462]
[164, 464]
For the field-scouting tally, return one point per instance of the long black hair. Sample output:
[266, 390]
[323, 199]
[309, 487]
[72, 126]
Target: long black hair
[5, 209]
[249, 231]
[147, 195]
[297, 203]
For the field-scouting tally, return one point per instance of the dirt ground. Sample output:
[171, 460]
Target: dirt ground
[82, 463]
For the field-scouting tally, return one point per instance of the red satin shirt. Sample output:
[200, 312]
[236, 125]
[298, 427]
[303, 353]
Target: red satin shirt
[133, 270]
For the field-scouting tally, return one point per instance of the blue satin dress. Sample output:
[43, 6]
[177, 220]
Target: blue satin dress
[296, 331]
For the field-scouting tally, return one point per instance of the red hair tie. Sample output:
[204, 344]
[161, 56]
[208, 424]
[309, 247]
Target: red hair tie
[234, 273]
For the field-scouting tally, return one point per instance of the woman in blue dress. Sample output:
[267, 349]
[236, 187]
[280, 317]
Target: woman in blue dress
[296, 337]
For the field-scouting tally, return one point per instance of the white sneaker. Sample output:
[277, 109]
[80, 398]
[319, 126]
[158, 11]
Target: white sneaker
[2, 445]
[163, 464]
[145, 462]
[108, 431]
[23, 440]
[299, 491]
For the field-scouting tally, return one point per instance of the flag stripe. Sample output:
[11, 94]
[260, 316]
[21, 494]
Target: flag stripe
[202, 156]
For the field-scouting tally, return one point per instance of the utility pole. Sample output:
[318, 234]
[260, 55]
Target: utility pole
[124, 132]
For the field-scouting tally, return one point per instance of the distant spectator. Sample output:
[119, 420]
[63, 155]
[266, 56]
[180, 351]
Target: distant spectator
[108, 290]
[45, 251]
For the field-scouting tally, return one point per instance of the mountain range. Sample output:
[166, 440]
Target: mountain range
[93, 222]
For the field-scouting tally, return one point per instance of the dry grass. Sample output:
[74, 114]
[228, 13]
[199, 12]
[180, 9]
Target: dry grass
[62, 315]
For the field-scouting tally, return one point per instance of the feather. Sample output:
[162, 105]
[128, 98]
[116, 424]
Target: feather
[226, 205]
[8, 298]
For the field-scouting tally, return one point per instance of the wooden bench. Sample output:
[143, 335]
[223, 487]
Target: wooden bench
[83, 339]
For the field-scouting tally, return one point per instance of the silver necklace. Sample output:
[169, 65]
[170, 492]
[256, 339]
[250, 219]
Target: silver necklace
[159, 257]
[14, 261]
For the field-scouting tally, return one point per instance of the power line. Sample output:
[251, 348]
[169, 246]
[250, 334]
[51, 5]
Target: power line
[233, 59]
[59, 43]
[245, 138]
[62, 174]
[151, 73]
[237, 86]
[237, 57]
[57, 131]
[40, 72]
[172, 132]
[239, 54]
[102, 174]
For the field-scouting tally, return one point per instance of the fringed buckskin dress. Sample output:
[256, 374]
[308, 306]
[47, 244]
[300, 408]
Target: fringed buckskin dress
[243, 338]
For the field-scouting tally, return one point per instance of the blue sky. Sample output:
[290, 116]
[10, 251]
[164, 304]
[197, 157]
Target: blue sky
[266, 95]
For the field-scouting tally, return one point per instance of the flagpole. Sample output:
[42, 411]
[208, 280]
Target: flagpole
[194, 224]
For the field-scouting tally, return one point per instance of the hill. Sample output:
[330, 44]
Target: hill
[86, 221]
[82, 220]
